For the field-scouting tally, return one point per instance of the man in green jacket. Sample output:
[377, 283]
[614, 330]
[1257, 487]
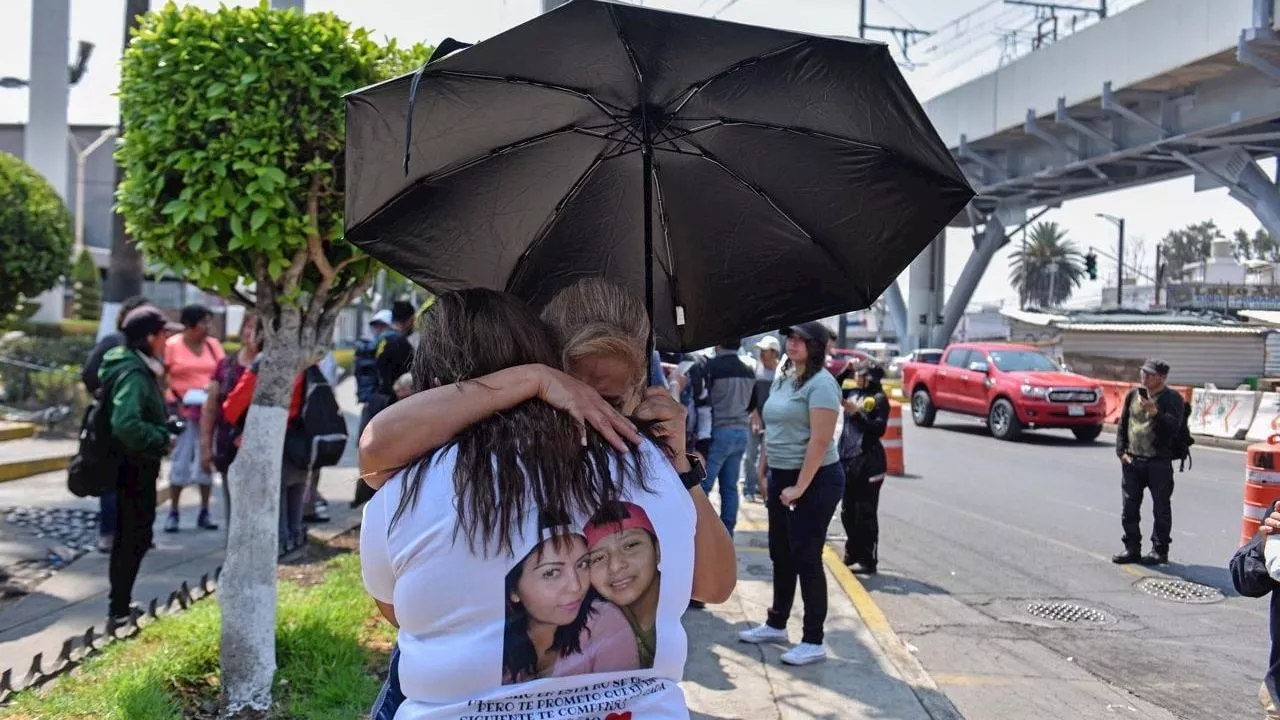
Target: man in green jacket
[140, 437]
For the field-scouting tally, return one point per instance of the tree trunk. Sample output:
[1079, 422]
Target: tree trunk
[247, 589]
[124, 269]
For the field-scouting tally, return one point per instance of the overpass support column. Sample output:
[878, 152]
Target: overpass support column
[927, 281]
[993, 239]
[897, 311]
[1261, 196]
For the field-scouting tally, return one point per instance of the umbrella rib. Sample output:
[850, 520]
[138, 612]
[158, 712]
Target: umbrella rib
[709, 157]
[713, 123]
[670, 268]
[545, 230]
[688, 93]
[512, 147]
[631, 56]
[607, 108]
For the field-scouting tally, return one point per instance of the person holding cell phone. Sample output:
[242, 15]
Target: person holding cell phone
[1149, 422]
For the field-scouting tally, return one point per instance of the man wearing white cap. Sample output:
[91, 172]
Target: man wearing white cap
[366, 372]
[770, 353]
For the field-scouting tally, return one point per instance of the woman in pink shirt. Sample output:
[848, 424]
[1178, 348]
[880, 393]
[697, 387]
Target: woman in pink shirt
[190, 360]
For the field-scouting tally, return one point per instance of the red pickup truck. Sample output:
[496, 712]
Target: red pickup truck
[1014, 387]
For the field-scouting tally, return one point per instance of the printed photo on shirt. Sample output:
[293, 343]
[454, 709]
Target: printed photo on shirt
[584, 600]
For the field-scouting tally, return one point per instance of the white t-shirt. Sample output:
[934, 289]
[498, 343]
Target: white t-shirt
[595, 591]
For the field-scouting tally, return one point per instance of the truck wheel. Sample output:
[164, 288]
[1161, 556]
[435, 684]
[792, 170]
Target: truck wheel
[922, 410]
[1003, 421]
[1087, 434]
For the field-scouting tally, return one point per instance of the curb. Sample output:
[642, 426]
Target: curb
[16, 431]
[932, 699]
[1203, 440]
[21, 469]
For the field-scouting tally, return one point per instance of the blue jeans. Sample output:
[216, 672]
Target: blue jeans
[390, 699]
[724, 463]
[107, 505]
[751, 464]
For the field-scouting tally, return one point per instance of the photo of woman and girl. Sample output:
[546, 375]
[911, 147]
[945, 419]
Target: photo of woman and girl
[584, 601]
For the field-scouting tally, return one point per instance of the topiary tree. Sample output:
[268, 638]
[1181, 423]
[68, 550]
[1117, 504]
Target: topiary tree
[232, 158]
[35, 234]
[86, 288]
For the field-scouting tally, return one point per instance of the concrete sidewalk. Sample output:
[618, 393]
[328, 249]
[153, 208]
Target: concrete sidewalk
[726, 678]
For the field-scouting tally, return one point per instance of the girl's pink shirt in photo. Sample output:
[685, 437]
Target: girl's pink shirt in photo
[187, 370]
[608, 645]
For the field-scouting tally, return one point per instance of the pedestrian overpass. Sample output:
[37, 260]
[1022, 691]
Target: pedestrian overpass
[1165, 89]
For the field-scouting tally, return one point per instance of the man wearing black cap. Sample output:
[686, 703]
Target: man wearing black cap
[140, 437]
[1150, 421]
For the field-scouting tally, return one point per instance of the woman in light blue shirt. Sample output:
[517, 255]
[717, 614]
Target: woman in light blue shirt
[805, 485]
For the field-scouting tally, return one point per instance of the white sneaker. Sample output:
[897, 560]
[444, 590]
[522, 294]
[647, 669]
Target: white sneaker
[805, 654]
[763, 634]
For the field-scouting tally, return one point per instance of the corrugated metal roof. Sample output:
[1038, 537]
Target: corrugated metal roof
[1032, 317]
[1150, 328]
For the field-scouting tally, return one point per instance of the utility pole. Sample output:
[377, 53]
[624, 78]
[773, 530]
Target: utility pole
[906, 37]
[1119, 223]
[1053, 280]
[124, 268]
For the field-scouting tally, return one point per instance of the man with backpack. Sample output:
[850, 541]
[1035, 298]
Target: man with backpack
[1151, 434]
[393, 357]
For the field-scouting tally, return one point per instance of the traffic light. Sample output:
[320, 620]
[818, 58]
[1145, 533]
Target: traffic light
[1091, 265]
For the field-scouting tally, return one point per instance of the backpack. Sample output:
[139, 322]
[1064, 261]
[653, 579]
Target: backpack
[93, 470]
[319, 435]
[1180, 447]
[366, 369]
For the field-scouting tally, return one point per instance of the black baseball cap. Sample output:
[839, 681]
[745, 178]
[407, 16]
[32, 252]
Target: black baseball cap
[1156, 367]
[148, 320]
[812, 330]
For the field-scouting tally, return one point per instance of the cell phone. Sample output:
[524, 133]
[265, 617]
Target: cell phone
[1142, 393]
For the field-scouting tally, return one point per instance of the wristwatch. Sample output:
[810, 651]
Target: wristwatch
[695, 474]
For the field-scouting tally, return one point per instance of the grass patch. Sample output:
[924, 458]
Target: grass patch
[329, 646]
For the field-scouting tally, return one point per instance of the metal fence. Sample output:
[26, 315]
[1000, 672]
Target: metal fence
[49, 395]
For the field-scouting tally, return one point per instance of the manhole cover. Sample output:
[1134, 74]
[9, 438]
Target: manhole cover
[1179, 590]
[1066, 612]
[760, 570]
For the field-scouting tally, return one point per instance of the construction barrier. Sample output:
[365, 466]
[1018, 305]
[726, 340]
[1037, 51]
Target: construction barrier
[1266, 419]
[1113, 394]
[1222, 413]
[1261, 485]
[893, 441]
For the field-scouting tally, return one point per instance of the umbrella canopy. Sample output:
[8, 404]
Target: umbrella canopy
[742, 178]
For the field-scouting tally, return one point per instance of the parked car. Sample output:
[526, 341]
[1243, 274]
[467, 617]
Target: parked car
[928, 356]
[840, 357]
[1014, 387]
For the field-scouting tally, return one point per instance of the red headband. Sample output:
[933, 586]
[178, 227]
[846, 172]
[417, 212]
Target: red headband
[636, 517]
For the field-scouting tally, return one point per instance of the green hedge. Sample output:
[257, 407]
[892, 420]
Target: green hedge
[69, 328]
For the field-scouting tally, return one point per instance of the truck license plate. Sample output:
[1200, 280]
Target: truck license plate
[1075, 410]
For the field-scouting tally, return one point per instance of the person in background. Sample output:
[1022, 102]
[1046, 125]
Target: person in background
[89, 376]
[770, 353]
[866, 416]
[1149, 420]
[394, 358]
[805, 485]
[1251, 578]
[219, 439]
[140, 434]
[190, 358]
[366, 361]
[731, 395]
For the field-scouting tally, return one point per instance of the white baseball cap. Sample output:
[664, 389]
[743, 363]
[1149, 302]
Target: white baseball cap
[382, 316]
[769, 342]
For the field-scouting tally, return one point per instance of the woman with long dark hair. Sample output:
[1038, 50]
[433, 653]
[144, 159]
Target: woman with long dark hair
[441, 537]
[805, 485]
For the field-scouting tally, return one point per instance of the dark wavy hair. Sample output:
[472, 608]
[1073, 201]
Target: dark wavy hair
[816, 363]
[519, 656]
[529, 458]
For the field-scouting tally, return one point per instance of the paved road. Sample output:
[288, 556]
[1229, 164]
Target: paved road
[984, 527]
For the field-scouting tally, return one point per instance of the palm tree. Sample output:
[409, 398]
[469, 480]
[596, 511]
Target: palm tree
[1048, 268]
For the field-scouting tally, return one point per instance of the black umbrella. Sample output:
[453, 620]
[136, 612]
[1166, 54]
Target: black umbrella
[740, 177]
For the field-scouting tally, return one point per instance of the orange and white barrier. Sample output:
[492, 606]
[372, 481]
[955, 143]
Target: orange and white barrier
[1223, 413]
[1261, 485]
[892, 441]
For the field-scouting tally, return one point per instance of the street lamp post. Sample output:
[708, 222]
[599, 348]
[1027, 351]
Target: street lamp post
[1053, 282]
[1119, 223]
[82, 160]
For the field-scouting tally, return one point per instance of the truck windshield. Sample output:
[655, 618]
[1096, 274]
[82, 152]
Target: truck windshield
[1022, 361]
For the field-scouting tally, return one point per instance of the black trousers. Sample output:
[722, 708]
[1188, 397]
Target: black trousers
[135, 518]
[858, 515]
[1156, 475]
[796, 539]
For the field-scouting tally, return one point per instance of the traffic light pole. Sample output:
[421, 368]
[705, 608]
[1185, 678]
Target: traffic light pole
[1120, 267]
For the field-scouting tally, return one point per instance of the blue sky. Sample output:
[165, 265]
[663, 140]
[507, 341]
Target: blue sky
[970, 36]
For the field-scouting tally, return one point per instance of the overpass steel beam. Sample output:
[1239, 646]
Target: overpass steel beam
[897, 311]
[1110, 104]
[1062, 117]
[993, 238]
